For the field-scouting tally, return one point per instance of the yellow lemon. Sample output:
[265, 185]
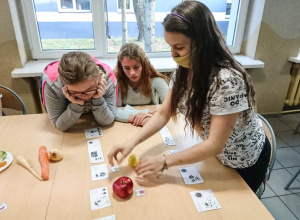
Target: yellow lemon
[133, 160]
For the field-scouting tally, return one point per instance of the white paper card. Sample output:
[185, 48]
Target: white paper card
[115, 168]
[190, 175]
[111, 217]
[167, 137]
[140, 192]
[99, 198]
[95, 151]
[3, 207]
[205, 200]
[99, 172]
[93, 133]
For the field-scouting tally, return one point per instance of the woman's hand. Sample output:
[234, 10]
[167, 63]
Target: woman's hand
[71, 98]
[101, 88]
[123, 149]
[150, 165]
[139, 119]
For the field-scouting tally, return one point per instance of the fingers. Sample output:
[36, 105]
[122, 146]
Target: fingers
[71, 98]
[146, 167]
[113, 154]
[130, 118]
[101, 88]
[138, 119]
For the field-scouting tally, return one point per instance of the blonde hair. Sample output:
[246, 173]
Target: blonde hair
[135, 52]
[77, 66]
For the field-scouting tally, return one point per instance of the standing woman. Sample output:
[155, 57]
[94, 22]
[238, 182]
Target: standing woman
[214, 93]
[138, 83]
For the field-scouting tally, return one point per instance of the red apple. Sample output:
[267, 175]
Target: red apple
[123, 186]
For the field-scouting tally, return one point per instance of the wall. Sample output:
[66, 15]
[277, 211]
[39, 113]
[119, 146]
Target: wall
[278, 39]
[10, 59]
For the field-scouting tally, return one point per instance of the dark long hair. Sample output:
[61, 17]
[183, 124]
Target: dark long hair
[208, 55]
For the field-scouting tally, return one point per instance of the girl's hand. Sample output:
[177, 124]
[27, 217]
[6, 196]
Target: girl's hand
[150, 165]
[139, 119]
[123, 149]
[71, 98]
[101, 88]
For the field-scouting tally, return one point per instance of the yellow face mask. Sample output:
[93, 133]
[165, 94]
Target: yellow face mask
[183, 61]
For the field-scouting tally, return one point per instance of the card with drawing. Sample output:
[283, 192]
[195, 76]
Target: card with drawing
[190, 175]
[3, 207]
[140, 192]
[95, 151]
[205, 200]
[93, 132]
[99, 198]
[115, 168]
[99, 172]
[111, 217]
[167, 137]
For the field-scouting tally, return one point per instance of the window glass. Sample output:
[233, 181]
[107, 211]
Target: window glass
[71, 5]
[64, 30]
[225, 15]
[127, 4]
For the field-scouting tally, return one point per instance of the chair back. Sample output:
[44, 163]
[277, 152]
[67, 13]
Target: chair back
[11, 100]
[271, 136]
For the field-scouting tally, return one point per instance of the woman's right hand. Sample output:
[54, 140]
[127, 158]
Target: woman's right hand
[72, 99]
[123, 149]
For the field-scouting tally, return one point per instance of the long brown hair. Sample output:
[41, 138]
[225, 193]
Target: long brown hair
[208, 53]
[135, 52]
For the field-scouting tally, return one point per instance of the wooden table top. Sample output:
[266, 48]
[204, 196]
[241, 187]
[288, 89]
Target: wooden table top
[66, 194]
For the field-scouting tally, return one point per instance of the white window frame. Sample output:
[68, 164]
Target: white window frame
[60, 9]
[130, 10]
[236, 26]
[98, 16]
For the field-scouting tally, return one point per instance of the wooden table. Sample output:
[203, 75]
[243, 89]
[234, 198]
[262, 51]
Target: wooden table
[66, 194]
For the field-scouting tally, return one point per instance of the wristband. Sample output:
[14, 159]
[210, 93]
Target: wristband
[165, 167]
[1, 95]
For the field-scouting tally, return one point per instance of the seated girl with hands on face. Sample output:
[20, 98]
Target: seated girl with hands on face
[138, 84]
[75, 85]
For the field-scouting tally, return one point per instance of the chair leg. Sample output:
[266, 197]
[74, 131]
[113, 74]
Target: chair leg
[297, 128]
[292, 180]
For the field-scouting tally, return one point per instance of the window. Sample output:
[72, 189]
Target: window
[73, 5]
[95, 26]
[129, 6]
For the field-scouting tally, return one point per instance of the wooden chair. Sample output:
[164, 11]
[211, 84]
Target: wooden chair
[11, 100]
[271, 136]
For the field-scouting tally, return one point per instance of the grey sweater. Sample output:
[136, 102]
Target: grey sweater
[63, 114]
[159, 91]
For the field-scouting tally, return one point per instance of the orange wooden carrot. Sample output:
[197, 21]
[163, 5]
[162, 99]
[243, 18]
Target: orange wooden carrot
[44, 161]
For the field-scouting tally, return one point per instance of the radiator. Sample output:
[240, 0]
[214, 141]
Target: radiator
[293, 95]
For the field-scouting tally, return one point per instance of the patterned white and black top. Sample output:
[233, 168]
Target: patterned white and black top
[246, 141]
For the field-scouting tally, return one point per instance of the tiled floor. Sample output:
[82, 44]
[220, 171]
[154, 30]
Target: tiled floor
[284, 204]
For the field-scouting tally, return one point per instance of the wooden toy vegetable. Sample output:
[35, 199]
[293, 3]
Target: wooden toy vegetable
[22, 161]
[44, 161]
[55, 154]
